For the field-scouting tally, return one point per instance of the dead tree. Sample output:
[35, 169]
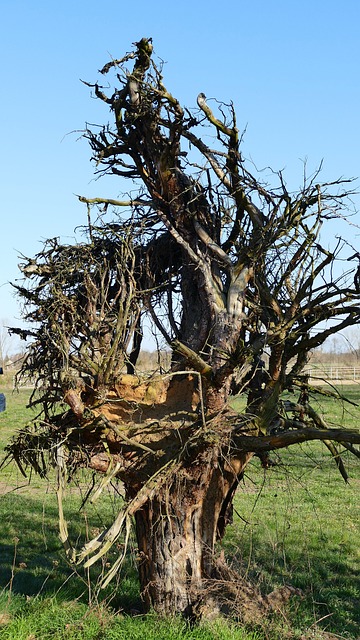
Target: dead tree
[234, 276]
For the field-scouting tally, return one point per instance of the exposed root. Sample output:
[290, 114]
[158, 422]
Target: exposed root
[228, 593]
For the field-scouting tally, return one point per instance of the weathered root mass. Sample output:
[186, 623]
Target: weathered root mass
[229, 594]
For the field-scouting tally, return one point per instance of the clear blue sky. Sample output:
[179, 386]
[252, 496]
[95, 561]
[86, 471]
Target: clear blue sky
[291, 68]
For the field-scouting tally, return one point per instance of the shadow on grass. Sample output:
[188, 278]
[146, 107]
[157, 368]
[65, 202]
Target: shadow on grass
[326, 573]
[33, 561]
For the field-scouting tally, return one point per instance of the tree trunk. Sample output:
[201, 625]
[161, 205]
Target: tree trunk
[177, 531]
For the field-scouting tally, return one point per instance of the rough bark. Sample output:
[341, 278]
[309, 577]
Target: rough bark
[177, 531]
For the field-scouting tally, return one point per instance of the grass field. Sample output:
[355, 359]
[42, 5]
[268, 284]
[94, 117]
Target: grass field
[296, 523]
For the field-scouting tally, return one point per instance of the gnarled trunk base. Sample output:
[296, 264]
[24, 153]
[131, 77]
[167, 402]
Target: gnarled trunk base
[177, 531]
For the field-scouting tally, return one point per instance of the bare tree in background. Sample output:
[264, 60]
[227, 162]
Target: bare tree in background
[7, 342]
[233, 275]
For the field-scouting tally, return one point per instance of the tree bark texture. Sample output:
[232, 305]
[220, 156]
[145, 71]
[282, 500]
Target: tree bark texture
[177, 531]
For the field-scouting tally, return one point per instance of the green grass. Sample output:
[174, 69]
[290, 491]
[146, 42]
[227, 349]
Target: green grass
[296, 523]
[46, 619]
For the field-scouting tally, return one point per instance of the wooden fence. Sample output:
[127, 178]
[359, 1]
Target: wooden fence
[333, 372]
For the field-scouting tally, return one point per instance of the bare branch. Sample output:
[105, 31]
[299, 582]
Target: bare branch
[287, 438]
